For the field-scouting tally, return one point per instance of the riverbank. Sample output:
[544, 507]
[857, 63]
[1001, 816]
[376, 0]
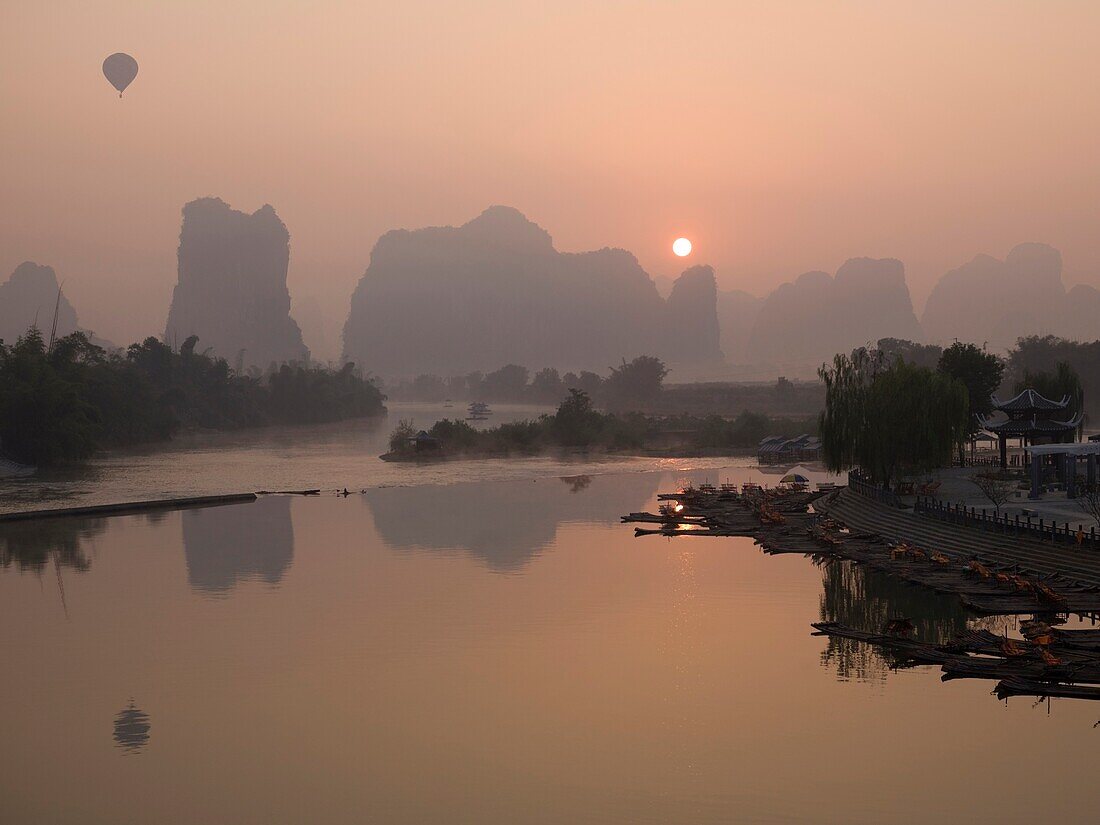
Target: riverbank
[994, 573]
[324, 456]
[577, 426]
[430, 457]
[66, 402]
[862, 514]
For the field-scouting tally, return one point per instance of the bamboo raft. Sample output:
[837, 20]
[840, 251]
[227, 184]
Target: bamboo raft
[780, 521]
[1048, 662]
[1019, 666]
[1026, 687]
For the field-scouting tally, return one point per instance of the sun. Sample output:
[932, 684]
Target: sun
[681, 247]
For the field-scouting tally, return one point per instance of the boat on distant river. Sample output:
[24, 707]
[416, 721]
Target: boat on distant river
[478, 411]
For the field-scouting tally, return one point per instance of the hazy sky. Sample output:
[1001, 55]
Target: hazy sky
[779, 136]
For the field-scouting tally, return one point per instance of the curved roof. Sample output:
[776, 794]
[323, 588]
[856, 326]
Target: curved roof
[1029, 400]
[1025, 426]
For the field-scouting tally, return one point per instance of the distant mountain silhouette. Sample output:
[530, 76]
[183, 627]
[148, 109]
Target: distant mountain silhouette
[232, 289]
[805, 323]
[1079, 318]
[992, 301]
[664, 285]
[737, 311]
[29, 294]
[692, 311]
[494, 291]
[226, 545]
[307, 312]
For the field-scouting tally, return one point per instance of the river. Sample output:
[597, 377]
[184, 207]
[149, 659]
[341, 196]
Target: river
[492, 649]
[328, 457]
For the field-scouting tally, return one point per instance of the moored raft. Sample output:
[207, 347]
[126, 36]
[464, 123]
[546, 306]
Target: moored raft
[1020, 667]
[1019, 686]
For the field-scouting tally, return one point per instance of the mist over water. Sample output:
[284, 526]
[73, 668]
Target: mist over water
[268, 247]
[328, 457]
[489, 652]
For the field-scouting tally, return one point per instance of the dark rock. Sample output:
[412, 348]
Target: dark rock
[232, 289]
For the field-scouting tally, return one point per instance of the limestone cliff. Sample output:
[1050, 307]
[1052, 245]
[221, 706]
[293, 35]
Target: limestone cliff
[231, 289]
[995, 302]
[805, 323]
[451, 300]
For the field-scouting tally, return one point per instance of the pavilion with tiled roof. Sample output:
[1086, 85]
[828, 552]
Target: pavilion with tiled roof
[1032, 418]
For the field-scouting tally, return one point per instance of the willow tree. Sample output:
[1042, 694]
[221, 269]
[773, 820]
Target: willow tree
[889, 419]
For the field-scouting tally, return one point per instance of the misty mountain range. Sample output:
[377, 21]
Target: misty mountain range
[495, 291]
[30, 297]
[987, 300]
[453, 300]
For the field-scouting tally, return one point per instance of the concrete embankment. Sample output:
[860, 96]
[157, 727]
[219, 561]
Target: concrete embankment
[127, 508]
[862, 514]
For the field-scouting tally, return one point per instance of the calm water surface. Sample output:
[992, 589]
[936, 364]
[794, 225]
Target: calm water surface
[487, 652]
[328, 457]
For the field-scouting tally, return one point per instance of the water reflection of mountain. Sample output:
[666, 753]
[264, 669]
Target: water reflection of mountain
[867, 600]
[225, 545]
[31, 544]
[505, 524]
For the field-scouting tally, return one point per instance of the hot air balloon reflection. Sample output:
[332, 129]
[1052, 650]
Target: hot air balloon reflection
[132, 729]
[120, 69]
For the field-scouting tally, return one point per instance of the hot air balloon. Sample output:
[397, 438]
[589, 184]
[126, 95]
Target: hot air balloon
[120, 69]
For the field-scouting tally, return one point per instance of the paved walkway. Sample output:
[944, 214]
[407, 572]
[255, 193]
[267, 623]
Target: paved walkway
[957, 488]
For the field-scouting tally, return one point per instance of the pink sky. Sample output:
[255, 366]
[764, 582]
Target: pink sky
[779, 136]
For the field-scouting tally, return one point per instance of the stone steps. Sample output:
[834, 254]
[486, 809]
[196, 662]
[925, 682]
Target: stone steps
[863, 514]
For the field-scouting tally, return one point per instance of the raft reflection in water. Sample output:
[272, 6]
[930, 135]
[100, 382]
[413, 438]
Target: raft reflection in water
[866, 599]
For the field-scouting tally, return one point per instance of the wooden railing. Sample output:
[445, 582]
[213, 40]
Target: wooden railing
[976, 461]
[1025, 526]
